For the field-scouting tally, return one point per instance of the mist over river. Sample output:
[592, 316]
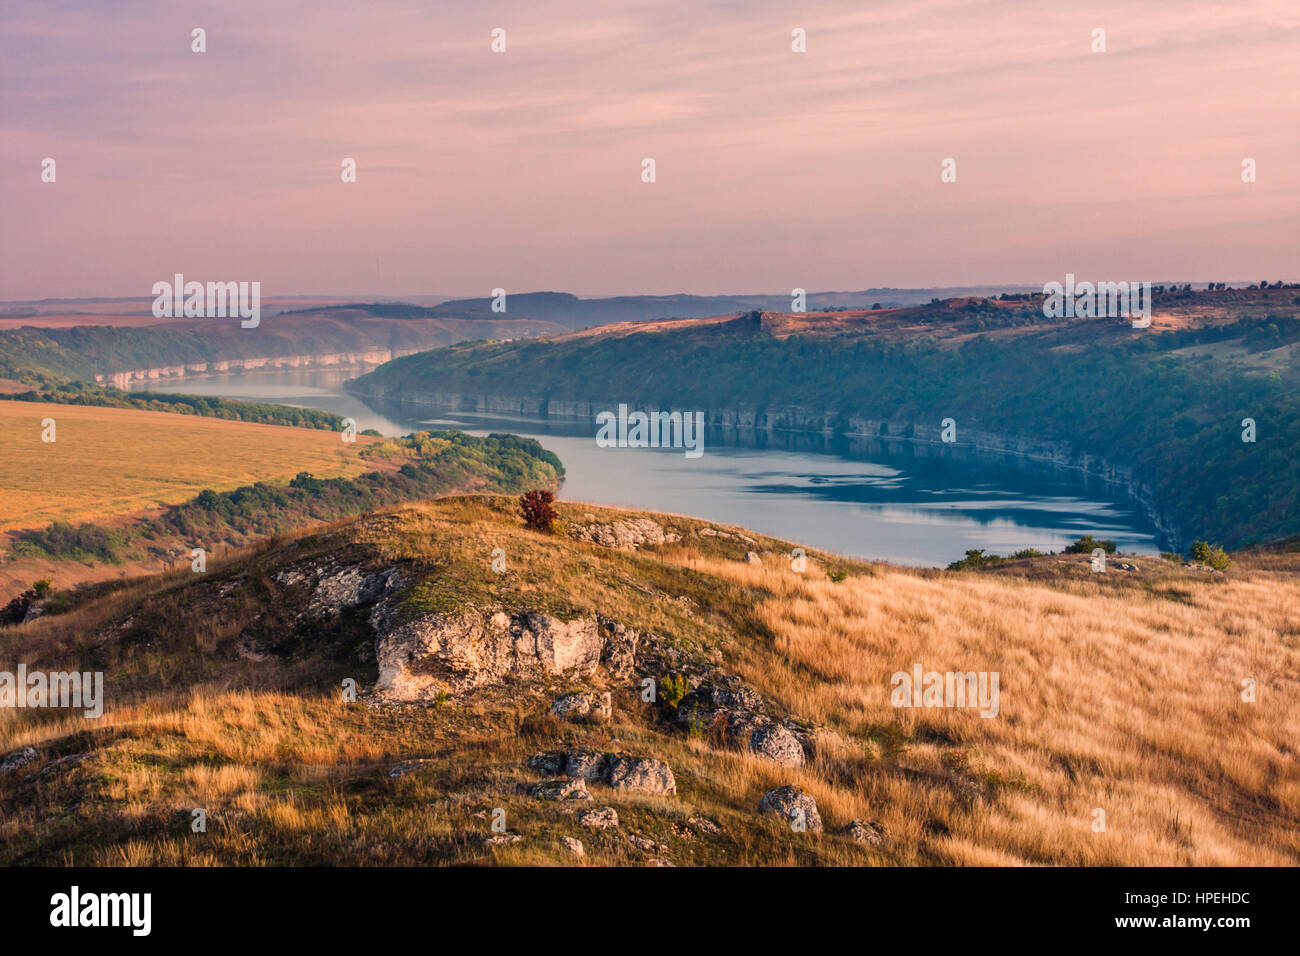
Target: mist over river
[911, 504]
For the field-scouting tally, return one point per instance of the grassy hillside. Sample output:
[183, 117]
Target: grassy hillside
[1119, 692]
[1167, 402]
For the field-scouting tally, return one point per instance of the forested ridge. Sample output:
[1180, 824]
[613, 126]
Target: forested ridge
[1167, 404]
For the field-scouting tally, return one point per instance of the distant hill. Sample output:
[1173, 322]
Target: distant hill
[342, 336]
[575, 313]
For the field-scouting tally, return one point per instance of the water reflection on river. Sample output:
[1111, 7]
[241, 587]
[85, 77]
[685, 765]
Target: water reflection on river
[912, 504]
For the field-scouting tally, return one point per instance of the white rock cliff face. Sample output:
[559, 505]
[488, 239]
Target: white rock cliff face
[359, 359]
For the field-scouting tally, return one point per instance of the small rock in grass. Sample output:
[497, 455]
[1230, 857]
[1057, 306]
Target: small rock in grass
[602, 818]
[793, 803]
[18, 758]
[560, 790]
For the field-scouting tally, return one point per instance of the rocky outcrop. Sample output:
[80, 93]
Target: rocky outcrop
[617, 770]
[627, 534]
[794, 804]
[334, 588]
[619, 655]
[583, 704]
[590, 765]
[470, 648]
[549, 763]
[646, 845]
[742, 715]
[643, 774]
[728, 535]
[421, 658]
[775, 742]
[58, 767]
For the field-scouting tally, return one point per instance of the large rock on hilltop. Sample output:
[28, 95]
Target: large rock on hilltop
[469, 648]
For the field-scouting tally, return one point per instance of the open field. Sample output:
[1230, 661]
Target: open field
[1120, 692]
[110, 461]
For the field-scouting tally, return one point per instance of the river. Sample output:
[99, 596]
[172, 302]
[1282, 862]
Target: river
[899, 502]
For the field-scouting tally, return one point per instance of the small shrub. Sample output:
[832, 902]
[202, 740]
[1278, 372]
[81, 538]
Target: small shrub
[1205, 553]
[673, 688]
[837, 574]
[16, 610]
[1088, 544]
[975, 558]
[695, 724]
[537, 510]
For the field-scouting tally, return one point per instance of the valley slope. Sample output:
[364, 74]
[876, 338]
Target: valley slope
[1120, 692]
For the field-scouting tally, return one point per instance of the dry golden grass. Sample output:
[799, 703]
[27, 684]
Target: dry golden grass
[1121, 694]
[113, 461]
[1127, 702]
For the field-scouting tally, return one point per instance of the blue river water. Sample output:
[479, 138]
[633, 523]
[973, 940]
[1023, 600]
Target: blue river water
[898, 502]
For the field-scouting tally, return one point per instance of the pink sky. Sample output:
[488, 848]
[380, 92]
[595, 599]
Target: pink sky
[522, 170]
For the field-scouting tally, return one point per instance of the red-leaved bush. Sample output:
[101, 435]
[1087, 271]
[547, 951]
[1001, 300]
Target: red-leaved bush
[537, 512]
